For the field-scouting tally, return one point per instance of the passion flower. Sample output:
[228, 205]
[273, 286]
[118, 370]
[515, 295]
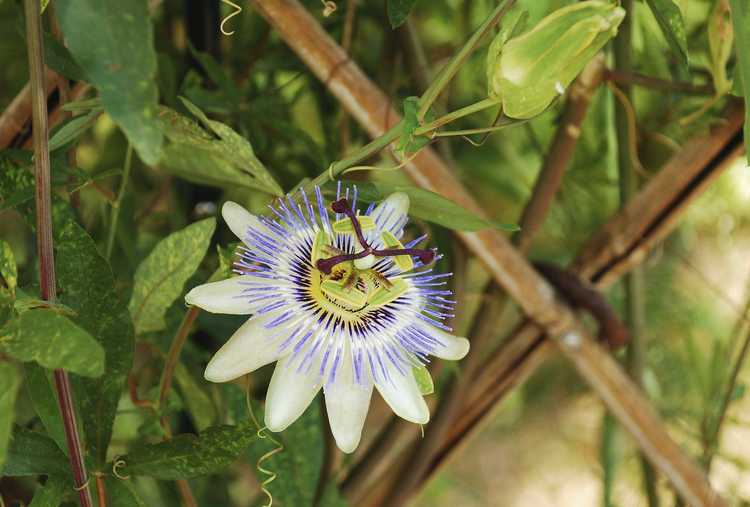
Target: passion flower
[339, 302]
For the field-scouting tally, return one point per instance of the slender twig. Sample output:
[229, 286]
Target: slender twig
[628, 165]
[623, 78]
[101, 493]
[560, 153]
[118, 202]
[713, 431]
[446, 75]
[45, 252]
[173, 356]
[418, 463]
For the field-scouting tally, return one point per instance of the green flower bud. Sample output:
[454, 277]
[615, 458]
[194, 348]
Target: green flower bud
[529, 71]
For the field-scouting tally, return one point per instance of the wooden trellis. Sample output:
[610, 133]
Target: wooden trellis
[621, 244]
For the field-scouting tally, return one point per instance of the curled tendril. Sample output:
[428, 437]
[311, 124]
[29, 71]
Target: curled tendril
[237, 8]
[262, 434]
[328, 7]
[119, 463]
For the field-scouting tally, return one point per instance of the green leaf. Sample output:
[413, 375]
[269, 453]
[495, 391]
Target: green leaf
[198, 156]
[121, 493]
[198, 402]
[72, 130]
[672, 25]
[160, 278]
[424, 380]
[88, 287]
[59, 59]
[9, 382]
[398, 11]
[8, 269]
[39, 385]
[31, 453]
[740, 20]
[429, 206]
[332, 496]
[189, 455]
[53, 341]
[116, 51]
[51, 494]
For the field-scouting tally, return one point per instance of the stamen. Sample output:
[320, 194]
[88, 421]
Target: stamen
[343, 206]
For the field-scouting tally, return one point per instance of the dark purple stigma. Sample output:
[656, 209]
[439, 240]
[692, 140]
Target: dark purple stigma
[343, 206]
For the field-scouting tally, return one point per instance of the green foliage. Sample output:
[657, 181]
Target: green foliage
[160, 278]
[398, 11]
[408, 142]
[39, 384]
[8, 269]
[187, 455]
[31, 453]
[87, 286]
[424, 380]
[53, 341]
[672, 25]
[72, 130]
[429, 206]
[740, 20]
[297, 467]
[216, 155]
[117, 54]
[9, 382]
[51, 494]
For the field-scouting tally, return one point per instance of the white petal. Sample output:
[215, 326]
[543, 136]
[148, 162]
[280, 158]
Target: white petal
[347, 403]
[240, 220]
[289, 393]
[402, 394]
[222, 297]
[388, 215]
[449, 346]
[249, 348]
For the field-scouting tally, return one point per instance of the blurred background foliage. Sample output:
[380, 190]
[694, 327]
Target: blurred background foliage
[546, 444]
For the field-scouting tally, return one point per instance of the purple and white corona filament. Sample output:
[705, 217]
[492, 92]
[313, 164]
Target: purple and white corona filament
[339, 302]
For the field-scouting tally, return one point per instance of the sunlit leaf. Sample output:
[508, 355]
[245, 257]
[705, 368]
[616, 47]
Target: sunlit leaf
[53, 341]
[160, 278]
[672, 25]
[116, 51]
[8, 270]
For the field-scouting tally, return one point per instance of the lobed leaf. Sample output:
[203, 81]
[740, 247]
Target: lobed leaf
[160, 278]
[116, 51]
[54, 341]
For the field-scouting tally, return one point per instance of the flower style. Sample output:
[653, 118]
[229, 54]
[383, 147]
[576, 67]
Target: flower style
[339, 302]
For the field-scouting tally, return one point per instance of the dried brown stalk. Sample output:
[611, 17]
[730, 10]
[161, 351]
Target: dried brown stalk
[17, 115]
[370, 106]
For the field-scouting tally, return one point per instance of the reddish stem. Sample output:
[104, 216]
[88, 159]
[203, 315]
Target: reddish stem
[44, 234]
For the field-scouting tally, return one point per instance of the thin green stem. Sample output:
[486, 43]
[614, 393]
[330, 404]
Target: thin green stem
[454, 115]
[116, 205]
[45, 250]
[450, 70]
[628, 178]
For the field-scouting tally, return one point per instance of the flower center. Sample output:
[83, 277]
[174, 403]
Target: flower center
[343, 206]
